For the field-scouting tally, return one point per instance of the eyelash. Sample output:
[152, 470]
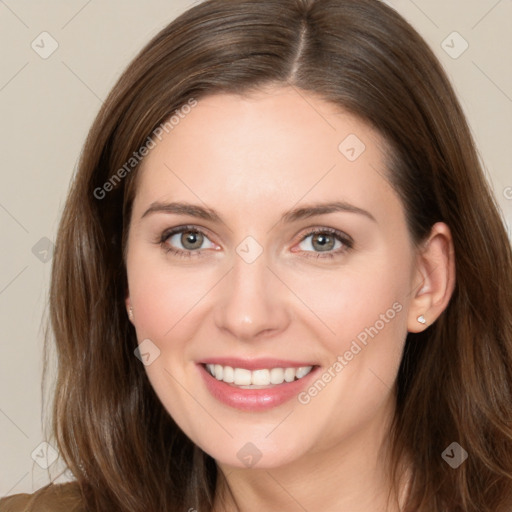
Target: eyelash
[342, 237]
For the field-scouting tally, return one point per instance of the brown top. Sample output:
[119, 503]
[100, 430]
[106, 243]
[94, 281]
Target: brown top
[52, 498]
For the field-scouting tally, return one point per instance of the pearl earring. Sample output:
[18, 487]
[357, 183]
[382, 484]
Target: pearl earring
[130, 313]
[421, 319]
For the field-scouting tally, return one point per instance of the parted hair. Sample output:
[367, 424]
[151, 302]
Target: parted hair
[455, 379]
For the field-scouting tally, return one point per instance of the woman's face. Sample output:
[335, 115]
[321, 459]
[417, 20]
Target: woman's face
[293, 253]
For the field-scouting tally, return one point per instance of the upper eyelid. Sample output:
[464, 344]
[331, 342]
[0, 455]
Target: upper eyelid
[181, 229]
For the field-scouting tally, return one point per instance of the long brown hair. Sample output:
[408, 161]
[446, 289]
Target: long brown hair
[455, 380]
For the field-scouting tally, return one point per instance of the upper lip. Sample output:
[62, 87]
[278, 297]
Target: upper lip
[255, 364]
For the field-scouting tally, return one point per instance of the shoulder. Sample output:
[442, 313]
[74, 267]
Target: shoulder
[52, 498]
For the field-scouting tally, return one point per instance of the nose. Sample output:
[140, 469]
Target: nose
[253, 301]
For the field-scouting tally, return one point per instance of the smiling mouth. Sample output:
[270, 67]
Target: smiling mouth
[256, 379]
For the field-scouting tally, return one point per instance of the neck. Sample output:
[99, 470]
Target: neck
[351, 476]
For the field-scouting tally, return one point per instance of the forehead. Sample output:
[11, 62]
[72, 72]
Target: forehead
[273, 147]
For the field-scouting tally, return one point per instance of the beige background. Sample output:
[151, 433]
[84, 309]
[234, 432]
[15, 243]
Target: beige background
[47, 106]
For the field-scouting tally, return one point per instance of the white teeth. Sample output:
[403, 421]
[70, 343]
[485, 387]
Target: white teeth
[242, 377]
[302, 371]
[277, 375]
[256, 378]
[229, 374]
[260, 377]
[289, 374]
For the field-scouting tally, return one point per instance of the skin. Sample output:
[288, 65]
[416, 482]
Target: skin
[251, 159]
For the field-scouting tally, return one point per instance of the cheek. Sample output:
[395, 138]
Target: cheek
[369, 316]
[356, 304]
[363, 325]
[168, 305]
[164, 297]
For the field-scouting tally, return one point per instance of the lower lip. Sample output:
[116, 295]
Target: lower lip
[254, 399]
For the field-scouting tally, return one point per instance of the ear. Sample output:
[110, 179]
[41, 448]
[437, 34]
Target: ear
[434, 278]
[129, 309]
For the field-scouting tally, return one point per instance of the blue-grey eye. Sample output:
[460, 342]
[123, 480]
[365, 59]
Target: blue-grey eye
[188, 240]
[321, 242]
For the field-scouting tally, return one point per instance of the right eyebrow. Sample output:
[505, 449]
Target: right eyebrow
[183, 209]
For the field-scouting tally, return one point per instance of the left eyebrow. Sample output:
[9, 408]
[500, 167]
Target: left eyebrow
[307, 211]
